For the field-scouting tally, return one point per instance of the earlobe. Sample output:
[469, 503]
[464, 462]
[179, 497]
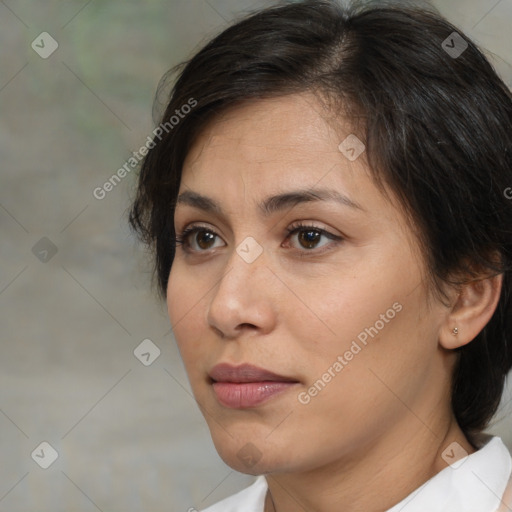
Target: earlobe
[471, 311]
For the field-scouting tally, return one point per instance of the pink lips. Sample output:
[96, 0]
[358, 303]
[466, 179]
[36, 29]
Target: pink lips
[246, 385]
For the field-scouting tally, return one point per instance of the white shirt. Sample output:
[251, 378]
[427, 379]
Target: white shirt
[475, 483]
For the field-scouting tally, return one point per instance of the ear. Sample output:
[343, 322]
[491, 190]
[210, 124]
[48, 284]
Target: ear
[474, 305]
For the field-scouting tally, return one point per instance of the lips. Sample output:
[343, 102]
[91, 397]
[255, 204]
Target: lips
[245, 373]
[246, 385]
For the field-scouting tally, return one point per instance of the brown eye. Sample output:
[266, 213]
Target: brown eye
[202, 237]
[309, 238]
[199, 239]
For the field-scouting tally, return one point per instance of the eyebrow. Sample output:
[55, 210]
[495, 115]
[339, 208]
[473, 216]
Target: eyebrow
[271, 204]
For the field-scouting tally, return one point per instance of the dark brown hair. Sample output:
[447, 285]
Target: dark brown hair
[437, 128]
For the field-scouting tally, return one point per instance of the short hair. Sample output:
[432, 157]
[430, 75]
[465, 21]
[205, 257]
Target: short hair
[436, 121]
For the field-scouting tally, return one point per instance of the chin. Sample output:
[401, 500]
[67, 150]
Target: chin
[253, 455]
[246, 461]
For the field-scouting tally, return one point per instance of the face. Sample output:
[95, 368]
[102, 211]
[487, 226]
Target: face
[324, 297]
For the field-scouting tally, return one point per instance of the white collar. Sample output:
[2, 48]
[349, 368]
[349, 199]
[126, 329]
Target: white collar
[474, 484]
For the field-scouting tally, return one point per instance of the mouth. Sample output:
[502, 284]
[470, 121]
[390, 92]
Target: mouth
[247, 386]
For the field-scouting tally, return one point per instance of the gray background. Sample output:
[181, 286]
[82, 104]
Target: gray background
[129, 437]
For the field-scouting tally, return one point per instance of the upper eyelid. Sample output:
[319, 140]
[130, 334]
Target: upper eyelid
[295, 227]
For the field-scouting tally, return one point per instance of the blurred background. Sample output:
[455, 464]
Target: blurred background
[77, 83]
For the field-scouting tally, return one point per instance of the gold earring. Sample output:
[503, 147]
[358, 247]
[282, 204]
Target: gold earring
[455, 331]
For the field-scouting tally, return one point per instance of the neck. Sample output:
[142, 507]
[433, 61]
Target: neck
[361, 481]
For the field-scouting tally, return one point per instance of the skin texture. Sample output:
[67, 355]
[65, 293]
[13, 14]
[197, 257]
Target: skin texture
[377, 430]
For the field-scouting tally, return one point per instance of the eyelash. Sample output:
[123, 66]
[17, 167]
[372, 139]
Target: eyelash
[181, 239]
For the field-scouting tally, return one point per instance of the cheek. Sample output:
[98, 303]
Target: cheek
[378, 357]
[340, 310]
[185, 305]
[362, 324]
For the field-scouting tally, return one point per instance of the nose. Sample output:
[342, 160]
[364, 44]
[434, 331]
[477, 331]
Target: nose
[246, 295]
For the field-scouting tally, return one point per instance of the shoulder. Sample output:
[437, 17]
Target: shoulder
[250, 499]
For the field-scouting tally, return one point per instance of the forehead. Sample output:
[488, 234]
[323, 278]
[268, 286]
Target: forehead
[273, 140]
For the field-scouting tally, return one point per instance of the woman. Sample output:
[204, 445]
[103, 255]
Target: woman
[331, 231]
